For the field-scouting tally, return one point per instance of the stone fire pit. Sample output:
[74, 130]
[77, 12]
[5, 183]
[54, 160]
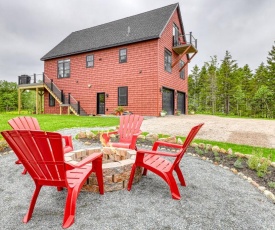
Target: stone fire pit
[117, 165]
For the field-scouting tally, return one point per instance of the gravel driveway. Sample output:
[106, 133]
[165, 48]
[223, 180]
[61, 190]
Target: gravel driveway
[254, 132]
[214, 198]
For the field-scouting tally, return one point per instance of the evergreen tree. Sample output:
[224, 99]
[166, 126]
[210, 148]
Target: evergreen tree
[271, 66]
[193, 88]
[226, 80]
[212, 67]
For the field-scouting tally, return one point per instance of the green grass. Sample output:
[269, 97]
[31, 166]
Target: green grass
[245, 149]
[57, 122]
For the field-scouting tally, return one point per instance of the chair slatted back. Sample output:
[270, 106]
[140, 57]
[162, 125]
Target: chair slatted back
[129, 125]
[24, 122]
[41, 153]
[187, 142]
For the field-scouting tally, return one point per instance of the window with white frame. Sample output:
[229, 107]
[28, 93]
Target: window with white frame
[63, 68]
[89, 61]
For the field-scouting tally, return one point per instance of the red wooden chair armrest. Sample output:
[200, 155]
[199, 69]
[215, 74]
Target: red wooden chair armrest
[144, 151]
[68, 140]
[134, 140]
[167, 144]
[106, 136]
[85, 161]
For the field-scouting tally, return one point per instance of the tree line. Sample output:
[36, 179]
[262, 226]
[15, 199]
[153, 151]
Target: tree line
[9, 97]
[229, 89]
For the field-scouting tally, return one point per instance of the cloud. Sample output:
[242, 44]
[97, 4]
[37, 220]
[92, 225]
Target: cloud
[31, 28]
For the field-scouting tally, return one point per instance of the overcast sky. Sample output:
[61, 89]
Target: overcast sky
[31, 28]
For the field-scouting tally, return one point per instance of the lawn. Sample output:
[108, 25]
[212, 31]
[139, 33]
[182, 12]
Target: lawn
[56, 122]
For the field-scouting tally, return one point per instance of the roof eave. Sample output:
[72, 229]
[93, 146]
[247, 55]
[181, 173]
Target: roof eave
[100, 48]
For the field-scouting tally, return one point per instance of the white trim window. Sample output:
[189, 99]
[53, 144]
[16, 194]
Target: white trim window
[64, 68]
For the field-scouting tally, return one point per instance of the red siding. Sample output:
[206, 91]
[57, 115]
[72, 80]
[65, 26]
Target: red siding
[143, 73]
[171, 80]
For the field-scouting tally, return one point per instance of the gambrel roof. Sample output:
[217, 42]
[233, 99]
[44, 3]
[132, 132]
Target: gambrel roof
[137, 28]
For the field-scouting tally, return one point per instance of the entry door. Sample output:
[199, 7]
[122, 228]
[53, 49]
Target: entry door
[181, 102]
[168, 101]
[100, 103]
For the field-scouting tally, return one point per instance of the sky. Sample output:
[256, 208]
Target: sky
[31, 28]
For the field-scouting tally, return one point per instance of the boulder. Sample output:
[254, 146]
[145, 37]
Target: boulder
[152, 137]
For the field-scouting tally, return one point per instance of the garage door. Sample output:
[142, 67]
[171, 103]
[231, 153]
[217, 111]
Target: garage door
[181, 102]
[168, 101]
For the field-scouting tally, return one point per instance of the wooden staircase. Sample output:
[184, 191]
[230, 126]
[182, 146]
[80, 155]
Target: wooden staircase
[31, 83]
[69, 101]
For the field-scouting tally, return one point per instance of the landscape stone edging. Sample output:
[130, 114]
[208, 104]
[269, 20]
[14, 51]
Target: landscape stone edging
[262, 189]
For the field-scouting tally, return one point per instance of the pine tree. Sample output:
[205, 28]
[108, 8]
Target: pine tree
[227, 77]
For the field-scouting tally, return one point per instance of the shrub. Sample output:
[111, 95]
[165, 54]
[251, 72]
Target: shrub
[258, 163]
[238, 163]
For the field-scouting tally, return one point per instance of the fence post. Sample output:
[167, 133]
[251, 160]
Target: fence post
[190, 37]
[43, 77]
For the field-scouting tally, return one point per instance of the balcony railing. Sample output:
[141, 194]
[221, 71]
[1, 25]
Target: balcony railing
[185, 43]
[30, 79]
[185, 39]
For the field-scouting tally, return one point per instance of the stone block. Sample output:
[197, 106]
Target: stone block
[70, 154]
[90, 188]
[113, 186]
[121, 152]
[112, 168]
[121, 177]
[90, 151]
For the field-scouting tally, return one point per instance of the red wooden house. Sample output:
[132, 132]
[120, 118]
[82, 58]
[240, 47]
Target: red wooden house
[138, 62]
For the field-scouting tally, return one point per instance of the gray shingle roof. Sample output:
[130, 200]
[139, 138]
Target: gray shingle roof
[144, 26]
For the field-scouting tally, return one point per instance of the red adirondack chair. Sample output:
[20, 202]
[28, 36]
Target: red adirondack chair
[154, 161]
[31, 123]
[129, 129]
[42, 154]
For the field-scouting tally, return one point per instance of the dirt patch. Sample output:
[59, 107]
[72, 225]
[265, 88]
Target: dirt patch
[250, 138]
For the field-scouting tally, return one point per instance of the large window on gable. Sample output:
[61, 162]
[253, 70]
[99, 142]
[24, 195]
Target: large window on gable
[182, 75]
[167, 60]
[89, 61]
[175, 35]
[122, 55]
[64, 68]
[123, 96]
[51, 100]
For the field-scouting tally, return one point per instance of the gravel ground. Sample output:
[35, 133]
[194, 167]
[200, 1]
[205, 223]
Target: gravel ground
[254, 132]
[214, 198]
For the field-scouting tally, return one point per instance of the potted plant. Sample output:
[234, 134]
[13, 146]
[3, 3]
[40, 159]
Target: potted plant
[119, 110]
[163, 113]
[178, 112]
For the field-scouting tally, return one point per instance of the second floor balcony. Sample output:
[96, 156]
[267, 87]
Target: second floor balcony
[185, 43]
